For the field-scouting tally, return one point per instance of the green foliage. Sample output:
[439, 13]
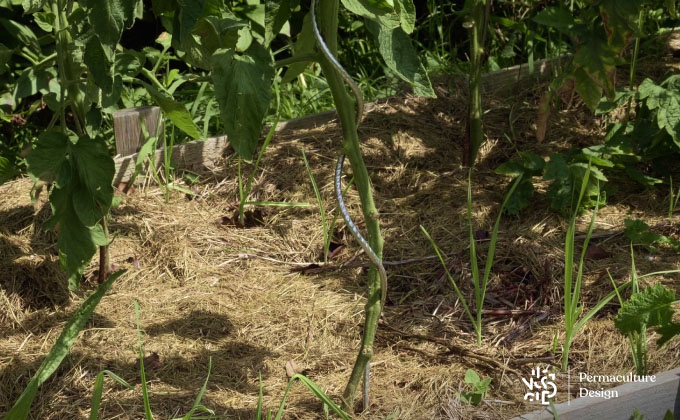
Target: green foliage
[638, 233]
[480, 283]
[663, 103]
[82, 171]
[647, 309]
[479, 388]
[566, 173]
[243, 84]
[59, 350]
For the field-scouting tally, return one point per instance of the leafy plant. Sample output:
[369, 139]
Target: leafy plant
[479, 282]
[566, 173]
[479, 388]
[638, 233]
[649, 308]
[59, 350]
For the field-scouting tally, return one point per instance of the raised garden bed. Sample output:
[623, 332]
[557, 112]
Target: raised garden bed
[251, 300]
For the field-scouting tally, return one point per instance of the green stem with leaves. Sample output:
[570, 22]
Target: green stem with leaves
[328, 19]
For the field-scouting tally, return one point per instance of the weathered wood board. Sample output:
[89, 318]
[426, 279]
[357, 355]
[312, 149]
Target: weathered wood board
[127, 127]
[652, 399]
[197, 154]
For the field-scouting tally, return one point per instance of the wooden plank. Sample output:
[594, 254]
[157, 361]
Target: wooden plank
[127, 125]
[652, 399]
[506, 79]
[195, 155]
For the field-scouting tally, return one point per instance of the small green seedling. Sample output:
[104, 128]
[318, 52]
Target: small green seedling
[479, 388]
[480, 280]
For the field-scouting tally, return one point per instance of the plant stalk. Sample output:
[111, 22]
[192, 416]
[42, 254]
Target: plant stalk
[328, 19]
[475, 133]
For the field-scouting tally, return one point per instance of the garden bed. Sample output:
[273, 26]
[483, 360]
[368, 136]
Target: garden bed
[251, 300]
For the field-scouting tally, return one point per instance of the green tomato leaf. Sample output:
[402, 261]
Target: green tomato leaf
[93, 194]
[556, 17]
[77, 244]
[638, 233]
[378, 11]
[305, 44]
[176, 111]
[99, 60]
[33, 81]
[587, 88]
[32, 6]
[243, 90]
[664, 100]
[401, 57]
[45, 20]
[520, 198]
[107, 19]
[129, 63]
[49, 154]
[7, 170]
[407, 14]
[512, 168]
[110, 99]
[5, 57]
[276, 13]
[532, 162]
[599, 60]
[21, 33]
[245, 38]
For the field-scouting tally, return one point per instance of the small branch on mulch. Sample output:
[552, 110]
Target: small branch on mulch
[474, 356]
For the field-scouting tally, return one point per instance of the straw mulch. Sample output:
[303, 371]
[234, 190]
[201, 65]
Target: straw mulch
[245, 299]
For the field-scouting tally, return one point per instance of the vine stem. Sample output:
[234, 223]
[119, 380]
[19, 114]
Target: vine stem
[328, 19]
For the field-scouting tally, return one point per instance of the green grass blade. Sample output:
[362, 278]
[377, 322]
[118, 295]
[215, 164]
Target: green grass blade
[451, 280]
[473, 249]
[322, 210]
[145, 391]
[494, 238]
[316, 391]
[277, 204]
[197, 402]
[59, 350]
[584, 249]
[99, 388]
[605, 300]
[656, 273]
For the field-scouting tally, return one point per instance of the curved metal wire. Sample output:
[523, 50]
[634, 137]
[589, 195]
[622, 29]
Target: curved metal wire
[338, 169]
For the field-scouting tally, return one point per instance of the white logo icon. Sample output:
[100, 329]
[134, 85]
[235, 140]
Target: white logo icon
[541, 389]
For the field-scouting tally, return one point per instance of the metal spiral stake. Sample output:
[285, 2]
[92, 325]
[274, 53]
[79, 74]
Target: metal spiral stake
[375, 260]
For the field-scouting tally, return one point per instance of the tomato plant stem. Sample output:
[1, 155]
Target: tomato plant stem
[328, 19]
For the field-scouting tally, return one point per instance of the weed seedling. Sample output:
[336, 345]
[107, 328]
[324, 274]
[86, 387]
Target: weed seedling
[573, 322]
[480, 282]
[479, 388]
